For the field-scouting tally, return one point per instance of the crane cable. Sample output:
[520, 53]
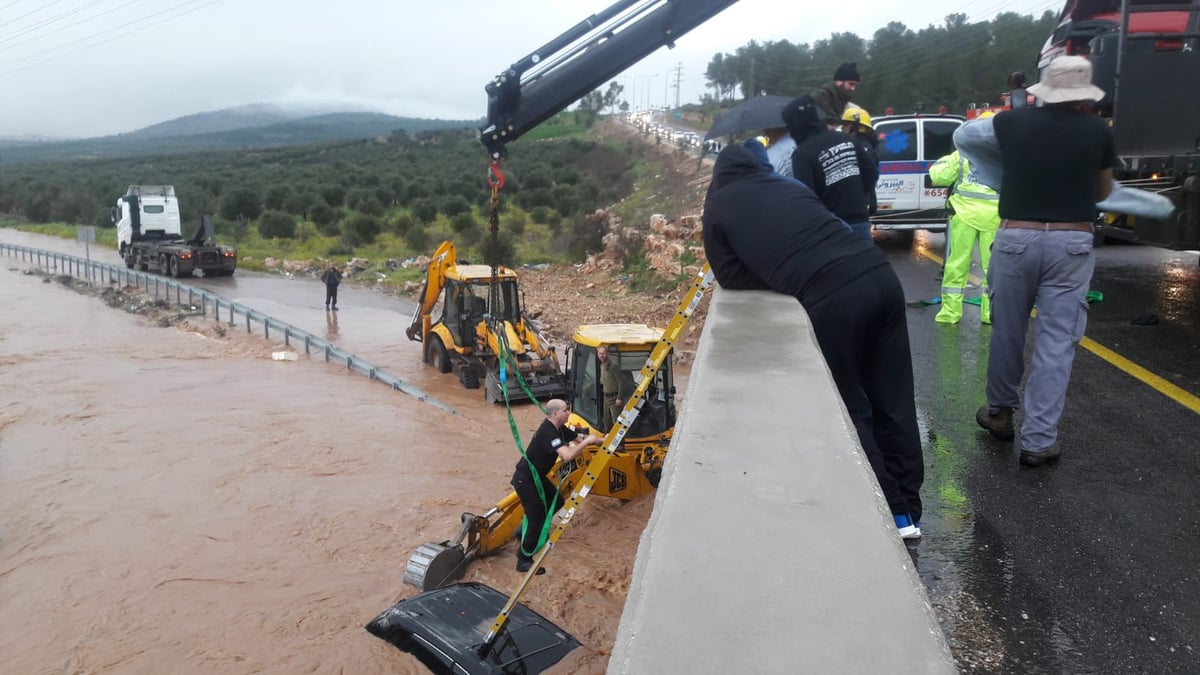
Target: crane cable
[506, 360]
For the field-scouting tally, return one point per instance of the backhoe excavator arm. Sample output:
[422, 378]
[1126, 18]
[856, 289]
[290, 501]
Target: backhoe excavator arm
[435, 280]
[593, 52]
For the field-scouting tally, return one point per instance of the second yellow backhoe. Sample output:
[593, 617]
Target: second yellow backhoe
[472, 320]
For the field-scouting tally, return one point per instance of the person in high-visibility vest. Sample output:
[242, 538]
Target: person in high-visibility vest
[976, 218]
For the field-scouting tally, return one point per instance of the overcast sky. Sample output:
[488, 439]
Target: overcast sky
[76, 68]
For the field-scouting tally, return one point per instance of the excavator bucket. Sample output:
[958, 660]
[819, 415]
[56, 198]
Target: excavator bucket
[542, 385]
[444, 628]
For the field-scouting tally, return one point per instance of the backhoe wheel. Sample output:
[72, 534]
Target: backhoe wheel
[174, 266]
[128, 256]
[469, 378]
[438, 355]
[142, 264]
[162, 264]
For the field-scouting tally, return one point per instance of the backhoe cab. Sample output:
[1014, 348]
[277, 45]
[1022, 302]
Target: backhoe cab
[479, 328]
[633, 472]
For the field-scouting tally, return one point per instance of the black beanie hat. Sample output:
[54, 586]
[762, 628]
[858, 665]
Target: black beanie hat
[847, 72]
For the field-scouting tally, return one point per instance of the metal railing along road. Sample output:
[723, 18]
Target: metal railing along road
[98, 273]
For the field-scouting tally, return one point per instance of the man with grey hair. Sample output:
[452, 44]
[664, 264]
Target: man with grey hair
[539, 496]
[1057, 163]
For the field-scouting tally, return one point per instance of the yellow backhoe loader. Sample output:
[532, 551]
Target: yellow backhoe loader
[482, 327]
[632, 472]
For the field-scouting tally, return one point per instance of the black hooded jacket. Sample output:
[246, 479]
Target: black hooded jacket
[830, 162]
[764, 231]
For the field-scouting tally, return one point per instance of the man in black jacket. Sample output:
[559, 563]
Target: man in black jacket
[833, 100]
[332, 277]
[831, 163]
[764, 231]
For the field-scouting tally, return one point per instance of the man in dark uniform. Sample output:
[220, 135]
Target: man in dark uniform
[539, 496]
[610, 383]
[764, 231]
[332, 277]
[1058, 161]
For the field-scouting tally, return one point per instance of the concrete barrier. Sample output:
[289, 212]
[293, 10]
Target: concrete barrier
[771, 548]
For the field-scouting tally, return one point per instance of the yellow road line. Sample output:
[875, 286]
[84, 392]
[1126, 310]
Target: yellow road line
[1161, 385]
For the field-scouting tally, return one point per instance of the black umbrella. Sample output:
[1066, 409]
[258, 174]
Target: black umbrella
[760, 112]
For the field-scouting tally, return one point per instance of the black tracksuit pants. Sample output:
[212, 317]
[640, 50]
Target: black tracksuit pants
[536, 512]
[331, 294]
[863, 335]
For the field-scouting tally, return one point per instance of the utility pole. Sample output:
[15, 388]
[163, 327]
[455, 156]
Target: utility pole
[678, 81]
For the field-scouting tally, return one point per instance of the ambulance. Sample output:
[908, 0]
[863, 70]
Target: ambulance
[908, 145]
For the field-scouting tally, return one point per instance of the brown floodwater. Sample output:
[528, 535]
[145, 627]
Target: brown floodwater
[174, 500]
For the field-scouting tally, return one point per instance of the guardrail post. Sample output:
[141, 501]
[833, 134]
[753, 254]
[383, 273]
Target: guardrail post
[266, 329]
[247, 322]
[204, 306]
[327, 352]
[307, 344]
[349, 363]
[287, 336]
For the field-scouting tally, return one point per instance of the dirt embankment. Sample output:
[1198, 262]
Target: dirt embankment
[598, 290]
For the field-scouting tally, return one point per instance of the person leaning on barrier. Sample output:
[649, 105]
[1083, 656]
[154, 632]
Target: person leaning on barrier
[763, 231]
[539, 496]
[1057, 162]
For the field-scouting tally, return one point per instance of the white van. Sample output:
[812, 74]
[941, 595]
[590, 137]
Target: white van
[908, 145]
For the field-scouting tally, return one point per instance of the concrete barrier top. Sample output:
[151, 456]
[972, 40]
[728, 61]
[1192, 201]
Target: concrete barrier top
[771, 548]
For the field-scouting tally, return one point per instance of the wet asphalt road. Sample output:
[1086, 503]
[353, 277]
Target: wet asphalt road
[1088, 566]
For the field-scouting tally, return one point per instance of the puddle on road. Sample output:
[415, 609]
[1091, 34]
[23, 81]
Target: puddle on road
[171, 501]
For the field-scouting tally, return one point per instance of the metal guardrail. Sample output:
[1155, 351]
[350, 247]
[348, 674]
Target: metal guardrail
[162, 288]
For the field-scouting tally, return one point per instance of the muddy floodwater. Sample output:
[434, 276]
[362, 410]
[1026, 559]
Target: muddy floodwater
[172, 500]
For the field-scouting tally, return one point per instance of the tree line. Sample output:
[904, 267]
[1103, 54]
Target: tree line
[953, 65]
[350, 190]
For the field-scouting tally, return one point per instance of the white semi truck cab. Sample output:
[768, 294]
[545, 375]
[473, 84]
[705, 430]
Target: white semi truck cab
[150, 235]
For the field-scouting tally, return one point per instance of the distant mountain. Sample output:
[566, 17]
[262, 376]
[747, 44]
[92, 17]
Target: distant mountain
[230, 119]
[184, 135]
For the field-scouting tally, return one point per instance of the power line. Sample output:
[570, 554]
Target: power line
[108, 34]
[59, 29]
[46, 6]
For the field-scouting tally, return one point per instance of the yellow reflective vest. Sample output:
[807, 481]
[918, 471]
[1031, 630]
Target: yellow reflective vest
[974, 204]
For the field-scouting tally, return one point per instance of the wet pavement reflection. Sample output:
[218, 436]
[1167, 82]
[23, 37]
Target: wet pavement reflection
[1083, 567]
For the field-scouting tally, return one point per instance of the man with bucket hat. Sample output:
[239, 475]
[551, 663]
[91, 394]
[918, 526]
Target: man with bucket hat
[1057, 162]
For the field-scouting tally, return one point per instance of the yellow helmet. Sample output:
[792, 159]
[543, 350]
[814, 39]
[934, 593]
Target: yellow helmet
[986, 114]
[857, 116]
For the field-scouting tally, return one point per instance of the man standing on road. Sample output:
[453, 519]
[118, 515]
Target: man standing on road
[764, 231]
[539, 496]
[332, 276]
[974, 219]
[1057, 163]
